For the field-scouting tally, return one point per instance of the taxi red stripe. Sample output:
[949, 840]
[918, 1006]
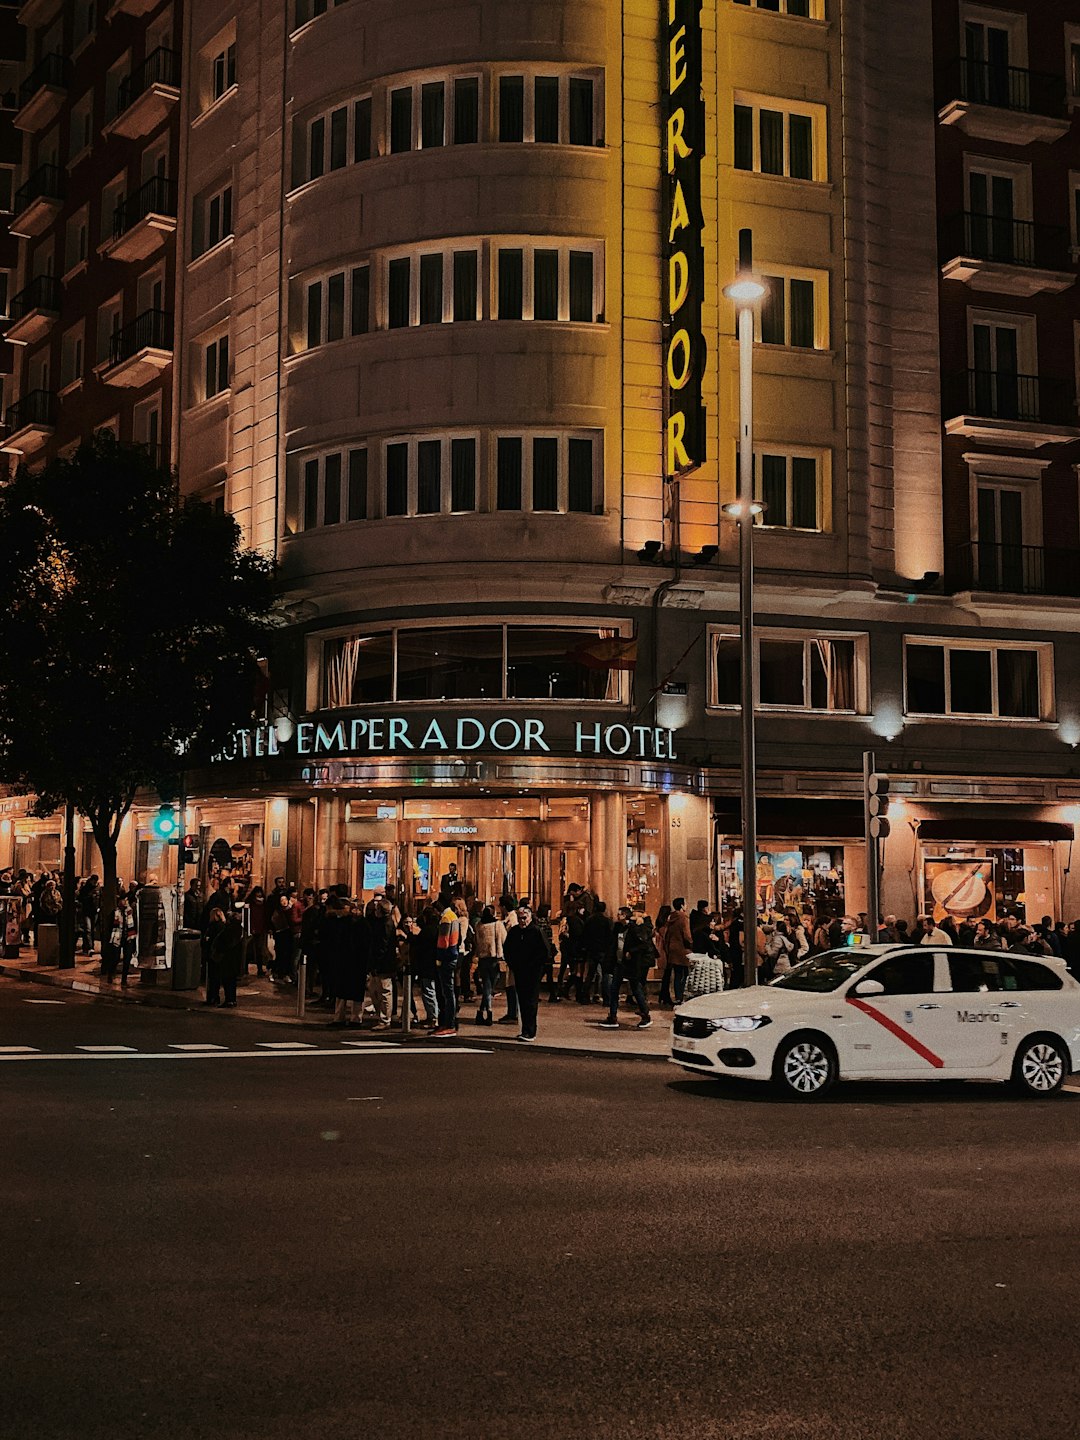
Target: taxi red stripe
[901, 1034]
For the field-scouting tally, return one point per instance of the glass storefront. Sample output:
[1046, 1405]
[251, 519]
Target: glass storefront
[645, 880]
[807, 877]
[975, 882]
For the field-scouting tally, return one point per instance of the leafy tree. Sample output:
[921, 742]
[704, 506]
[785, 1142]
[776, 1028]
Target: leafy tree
[131, 622]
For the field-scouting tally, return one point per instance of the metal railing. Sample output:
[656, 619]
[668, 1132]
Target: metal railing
[53, 69]
[156, 196]
[37, 407]
[1014, 569]
[1009, 241]
[44, 293]
[152, 330]
[1006, 87]
[161, 67]
[1002, 395]
[46, 183]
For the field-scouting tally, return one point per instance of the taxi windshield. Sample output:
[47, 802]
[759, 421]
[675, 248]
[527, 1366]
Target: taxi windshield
[823, 972]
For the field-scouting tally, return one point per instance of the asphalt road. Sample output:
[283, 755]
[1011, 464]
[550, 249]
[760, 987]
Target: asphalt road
[395, 1244]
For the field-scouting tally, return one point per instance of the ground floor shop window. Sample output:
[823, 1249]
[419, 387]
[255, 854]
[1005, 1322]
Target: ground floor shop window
[645, 820]
[988, 882]
[808, 878]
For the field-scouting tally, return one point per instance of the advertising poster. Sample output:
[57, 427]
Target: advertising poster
[961, 886]
[375, 867]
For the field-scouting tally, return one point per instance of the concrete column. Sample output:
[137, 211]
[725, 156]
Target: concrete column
[689, 846]
[607, 846]
[330, 868]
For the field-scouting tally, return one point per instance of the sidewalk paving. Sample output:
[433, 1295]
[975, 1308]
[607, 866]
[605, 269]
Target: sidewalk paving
[561, 1027]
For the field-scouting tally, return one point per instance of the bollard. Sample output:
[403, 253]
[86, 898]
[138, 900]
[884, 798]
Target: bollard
[301, 987]
[406, 1004]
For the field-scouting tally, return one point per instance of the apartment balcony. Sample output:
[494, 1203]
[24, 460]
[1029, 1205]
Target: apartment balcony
[140, 351]
[1013, 569]
[1006, 256]
[38, 202]
[135, 8]
[34, 310]
[30, 422]
[36, 13]
[42, 93]
[143, 222]
[146, 98]
[1002, 103]
[1020, 411]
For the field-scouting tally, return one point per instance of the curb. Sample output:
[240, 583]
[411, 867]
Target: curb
[184, 1000]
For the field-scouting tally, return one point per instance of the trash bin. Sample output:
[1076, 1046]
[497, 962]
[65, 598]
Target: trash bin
[48, 944]
[186, 959]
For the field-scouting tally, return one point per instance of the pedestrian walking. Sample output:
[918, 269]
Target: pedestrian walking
[226, 960]
[345, 941]
[635, 952]
[678, 943]
[490, 938]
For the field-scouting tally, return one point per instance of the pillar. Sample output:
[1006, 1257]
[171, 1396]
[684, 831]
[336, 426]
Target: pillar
[330, 867]
[607, 848]
[689, 848]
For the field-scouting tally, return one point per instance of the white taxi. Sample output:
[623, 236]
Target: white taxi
[887, 1012]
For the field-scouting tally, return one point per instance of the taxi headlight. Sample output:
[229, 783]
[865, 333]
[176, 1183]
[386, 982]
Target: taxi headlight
[741, 1022]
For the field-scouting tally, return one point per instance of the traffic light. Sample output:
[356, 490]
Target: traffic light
[165, 824]
[191, 850]
[877, 806]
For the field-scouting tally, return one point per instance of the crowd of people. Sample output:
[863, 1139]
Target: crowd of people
[506, 955]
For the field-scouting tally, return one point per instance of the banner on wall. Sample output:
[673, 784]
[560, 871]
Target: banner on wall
[960, 886]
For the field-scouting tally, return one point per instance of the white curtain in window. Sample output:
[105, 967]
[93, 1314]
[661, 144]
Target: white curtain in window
[612, 690]
[341, 673]
[836, 661]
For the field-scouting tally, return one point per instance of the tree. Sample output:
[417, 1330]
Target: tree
[131, 624]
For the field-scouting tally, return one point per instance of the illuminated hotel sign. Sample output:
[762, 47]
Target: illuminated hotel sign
[457, 735]
[684, 254]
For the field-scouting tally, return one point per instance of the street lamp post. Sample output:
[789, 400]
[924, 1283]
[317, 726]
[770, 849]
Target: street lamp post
[747, 292]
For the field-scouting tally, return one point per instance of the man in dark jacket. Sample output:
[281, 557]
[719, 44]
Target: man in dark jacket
[526, 955]
[598, 939]
[382, 961]
[635, 942]
[89, 906]
[344, 949]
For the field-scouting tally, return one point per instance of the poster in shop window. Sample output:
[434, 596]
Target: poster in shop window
[961, 886]
[375, 867]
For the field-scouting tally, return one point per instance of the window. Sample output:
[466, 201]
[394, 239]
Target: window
[330, 141]
[146, 429]
[114, 78]
[773, 137]
[807, 9]
[480, 662]
[334, 488]
[76, 240]
[211, 219]
[991, 973]
[7, 188]
[549, 282]
[433, 286]
[401, 120]
[789, 486]
[992, 681]
[81, 127]
[223, 71]
[466, 110]
[216, 367]
[5, 294]
[1072, 61]
[556, 473]
[109, 322]
[430, 475]
[794, 311]
[83, 22]
[549, 109]
[334, 306]
[71, 356]
[906, 974]
[796, 671]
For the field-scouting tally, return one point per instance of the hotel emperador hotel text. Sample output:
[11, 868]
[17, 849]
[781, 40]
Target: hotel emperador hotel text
[442, 325]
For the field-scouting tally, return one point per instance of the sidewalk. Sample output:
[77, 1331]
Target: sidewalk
[564, 1027]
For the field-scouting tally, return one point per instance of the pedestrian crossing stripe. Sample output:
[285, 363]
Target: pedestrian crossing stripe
[18, 1049]
[285, 1045]
[126, 1052]
[108, 1049]
[197, 1047]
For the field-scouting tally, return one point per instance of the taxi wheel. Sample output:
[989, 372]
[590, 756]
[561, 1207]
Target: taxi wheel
[805, 1067]
[1041, 1065]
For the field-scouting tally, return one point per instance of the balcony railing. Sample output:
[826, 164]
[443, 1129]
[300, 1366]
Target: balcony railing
[156, 197]
[152, 330]
[1005, 87]
[46, 183]
[1007, 241]
[1014, 569]
[44, 293]
[53, 70]
[161, 67]
[37, 407]
[1001, 395]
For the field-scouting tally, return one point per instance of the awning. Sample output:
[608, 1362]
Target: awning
[795, 819]
[994, 831]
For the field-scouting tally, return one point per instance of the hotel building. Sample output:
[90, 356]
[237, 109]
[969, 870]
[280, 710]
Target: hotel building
[420, 279]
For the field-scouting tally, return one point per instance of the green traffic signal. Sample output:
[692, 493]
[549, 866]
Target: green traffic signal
[165, 823]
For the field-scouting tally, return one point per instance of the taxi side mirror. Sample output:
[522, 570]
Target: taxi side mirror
[869, 987]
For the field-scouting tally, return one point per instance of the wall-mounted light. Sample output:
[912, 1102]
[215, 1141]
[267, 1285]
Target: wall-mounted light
[734, 509]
